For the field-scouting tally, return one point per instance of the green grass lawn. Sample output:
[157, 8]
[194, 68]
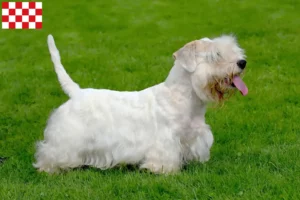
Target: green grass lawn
[128, 45]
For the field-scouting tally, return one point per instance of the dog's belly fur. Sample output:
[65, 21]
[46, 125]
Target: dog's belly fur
[103, 128]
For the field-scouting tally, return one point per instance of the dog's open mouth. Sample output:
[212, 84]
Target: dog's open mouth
[224, 88]
[240, 85]
[237, 82]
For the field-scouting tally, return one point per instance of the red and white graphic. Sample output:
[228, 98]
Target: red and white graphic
[22, 15]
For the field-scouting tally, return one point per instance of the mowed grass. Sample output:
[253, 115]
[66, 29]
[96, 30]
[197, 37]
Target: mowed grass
[128, 45]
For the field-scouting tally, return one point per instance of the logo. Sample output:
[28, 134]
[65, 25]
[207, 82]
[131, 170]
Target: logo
[22, 15]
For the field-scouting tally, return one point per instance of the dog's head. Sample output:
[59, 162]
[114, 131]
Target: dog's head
[215, 66]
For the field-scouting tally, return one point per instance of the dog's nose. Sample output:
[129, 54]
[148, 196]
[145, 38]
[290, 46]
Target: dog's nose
[242, 64]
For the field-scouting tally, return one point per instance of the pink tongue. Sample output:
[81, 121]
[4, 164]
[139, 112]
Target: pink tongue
[240, 85]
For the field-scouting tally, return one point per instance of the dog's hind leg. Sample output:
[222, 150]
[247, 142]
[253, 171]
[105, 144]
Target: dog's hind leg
[52, 159]
[62, 142]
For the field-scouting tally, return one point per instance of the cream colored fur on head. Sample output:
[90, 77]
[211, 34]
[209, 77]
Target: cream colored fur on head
[159, 128]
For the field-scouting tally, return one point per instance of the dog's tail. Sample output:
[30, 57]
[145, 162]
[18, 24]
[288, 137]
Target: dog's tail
[67, 84]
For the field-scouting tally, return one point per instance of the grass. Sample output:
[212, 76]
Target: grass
[128, 45]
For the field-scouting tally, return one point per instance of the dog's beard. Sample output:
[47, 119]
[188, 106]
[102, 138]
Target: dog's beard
[222, 89]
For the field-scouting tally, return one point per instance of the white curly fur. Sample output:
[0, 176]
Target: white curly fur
[160, 128]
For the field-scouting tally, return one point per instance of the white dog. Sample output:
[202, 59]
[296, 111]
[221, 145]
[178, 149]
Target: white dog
[159, 128]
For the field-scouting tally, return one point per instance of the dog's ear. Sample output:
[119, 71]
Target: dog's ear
[186, 56]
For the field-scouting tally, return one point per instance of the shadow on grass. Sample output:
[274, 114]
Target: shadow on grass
[122, 168]
[3, 159]
[130, 168]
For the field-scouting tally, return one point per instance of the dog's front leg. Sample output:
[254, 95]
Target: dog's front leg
[201, 143]
[164, 156]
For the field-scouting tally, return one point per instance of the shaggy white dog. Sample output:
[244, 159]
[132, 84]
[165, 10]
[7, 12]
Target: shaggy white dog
[159, 128]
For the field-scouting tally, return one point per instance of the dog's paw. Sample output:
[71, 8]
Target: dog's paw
[204, 157]
[159, 168]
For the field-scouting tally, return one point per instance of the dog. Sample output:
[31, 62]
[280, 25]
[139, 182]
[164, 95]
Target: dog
[160, 128]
